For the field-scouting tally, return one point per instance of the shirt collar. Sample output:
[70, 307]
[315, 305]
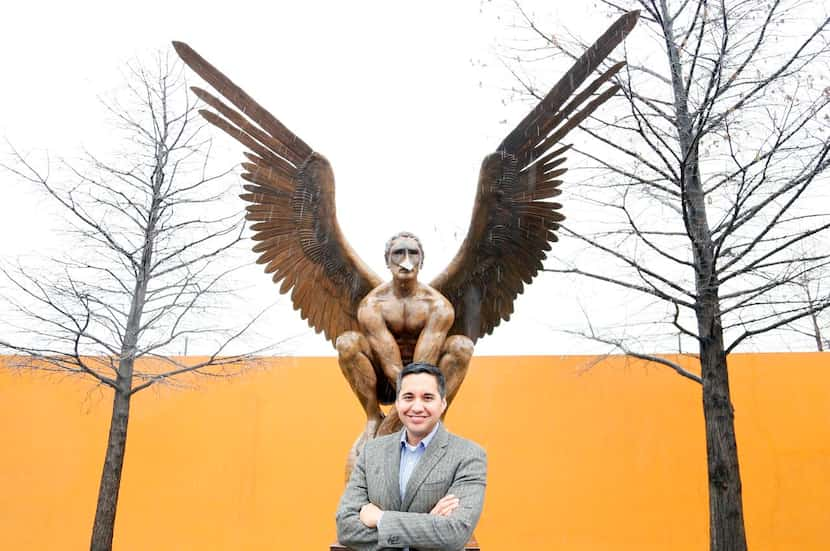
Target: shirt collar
[423, 443]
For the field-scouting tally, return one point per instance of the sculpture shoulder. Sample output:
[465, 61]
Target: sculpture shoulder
[376, 296]
[436, 298]
[384, 293]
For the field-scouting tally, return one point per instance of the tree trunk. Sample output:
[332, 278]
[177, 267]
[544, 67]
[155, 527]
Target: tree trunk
[814, 318]
[102, 529]
[817, 331]
[726, 519]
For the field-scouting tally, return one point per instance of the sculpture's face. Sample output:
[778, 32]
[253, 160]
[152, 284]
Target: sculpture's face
[404, 258]
[419, 405]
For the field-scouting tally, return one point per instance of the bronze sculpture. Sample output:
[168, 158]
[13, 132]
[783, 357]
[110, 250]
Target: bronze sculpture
[401, 321]
[378, 327]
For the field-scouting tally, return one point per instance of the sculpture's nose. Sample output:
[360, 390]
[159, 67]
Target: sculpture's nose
[407, 262]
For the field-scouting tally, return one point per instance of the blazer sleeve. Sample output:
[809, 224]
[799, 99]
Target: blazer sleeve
[422, 530]
[351, 532]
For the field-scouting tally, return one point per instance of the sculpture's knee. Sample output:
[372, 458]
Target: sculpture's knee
[348, 345]
[460, 348]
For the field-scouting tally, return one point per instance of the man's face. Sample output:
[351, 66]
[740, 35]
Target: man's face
[404, 258]
[419, 405]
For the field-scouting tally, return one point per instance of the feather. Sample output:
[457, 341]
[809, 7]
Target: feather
[240, 99]
[239, 135]
[272, 180]
[513, 223]
[573, 122]
[283, 168]
[239, 120]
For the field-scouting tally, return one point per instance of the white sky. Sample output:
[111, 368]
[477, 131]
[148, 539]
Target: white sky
[403, 98]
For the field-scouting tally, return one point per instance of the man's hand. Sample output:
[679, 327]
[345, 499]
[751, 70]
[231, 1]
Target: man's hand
[445, 506]
[369, 515]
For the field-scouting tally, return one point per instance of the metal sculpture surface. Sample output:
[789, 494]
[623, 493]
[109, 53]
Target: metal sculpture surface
[379, 327]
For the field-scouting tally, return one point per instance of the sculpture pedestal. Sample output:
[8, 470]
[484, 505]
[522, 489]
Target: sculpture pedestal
[472, 545]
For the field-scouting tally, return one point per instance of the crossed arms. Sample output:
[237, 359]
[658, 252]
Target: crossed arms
[444, 528]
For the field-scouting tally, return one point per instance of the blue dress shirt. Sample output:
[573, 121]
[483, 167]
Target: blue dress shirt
[410, 455]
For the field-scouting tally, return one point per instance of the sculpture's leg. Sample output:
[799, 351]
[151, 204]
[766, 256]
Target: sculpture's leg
[353, 353]
[454, 360]
[392, 423]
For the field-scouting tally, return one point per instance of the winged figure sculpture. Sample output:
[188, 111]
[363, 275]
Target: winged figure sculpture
[378, 327]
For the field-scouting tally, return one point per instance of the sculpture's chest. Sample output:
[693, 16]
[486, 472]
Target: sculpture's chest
[406, 317]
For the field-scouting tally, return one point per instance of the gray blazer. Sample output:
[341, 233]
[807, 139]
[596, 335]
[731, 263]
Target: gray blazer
[450, 465]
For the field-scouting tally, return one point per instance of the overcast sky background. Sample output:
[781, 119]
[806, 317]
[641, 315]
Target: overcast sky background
[405, 99]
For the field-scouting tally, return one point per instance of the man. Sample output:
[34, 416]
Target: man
[401, 321]
[422, 488]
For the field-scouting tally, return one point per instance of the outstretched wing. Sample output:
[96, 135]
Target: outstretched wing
[291, 207]
[513, 224]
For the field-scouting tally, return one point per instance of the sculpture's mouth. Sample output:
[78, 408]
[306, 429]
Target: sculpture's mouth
[406, 265]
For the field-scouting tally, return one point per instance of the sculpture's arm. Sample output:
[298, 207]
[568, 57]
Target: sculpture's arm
[381, 340]
[350, 529]
[448, 533]
[432, 338]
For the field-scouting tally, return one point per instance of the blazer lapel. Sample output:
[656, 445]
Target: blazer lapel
[392, 466]
[434, 452]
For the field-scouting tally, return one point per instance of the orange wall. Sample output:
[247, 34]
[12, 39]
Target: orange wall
[610, 457]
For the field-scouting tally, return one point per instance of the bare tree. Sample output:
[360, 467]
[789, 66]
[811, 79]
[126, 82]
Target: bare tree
[814, 325]
[146, 268]
[809, 290]
[704, 179]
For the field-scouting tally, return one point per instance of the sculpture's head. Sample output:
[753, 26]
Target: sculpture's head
[404, 255]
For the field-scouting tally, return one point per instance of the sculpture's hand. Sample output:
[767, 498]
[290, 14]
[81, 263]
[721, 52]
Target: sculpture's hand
[445, 506]
[369, 515]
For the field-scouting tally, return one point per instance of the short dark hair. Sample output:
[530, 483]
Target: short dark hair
[423, 367]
